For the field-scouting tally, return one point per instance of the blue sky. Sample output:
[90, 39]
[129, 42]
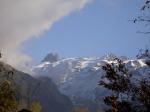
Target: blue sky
[101, 27]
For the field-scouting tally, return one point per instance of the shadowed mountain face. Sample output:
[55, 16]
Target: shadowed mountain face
[36, 89]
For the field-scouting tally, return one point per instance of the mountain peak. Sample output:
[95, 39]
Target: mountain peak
[51, 57]
[72, 74]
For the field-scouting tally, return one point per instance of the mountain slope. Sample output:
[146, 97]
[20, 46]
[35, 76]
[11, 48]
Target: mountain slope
[32, 89]
[78, 78]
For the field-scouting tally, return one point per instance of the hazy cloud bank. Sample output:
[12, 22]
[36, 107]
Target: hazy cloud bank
[24, 19]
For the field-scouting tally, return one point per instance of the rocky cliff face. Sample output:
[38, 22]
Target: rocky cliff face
[51, 57]
[36, 89]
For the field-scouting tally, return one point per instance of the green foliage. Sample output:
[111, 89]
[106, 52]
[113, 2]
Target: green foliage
[8, 101]
[126, 96]
[118, 81]
[142, 95]
[35, 107]
[118, 77]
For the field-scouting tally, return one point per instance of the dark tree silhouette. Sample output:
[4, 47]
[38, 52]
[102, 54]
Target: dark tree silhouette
[145, 16]
[0, 55]
[127, 96]
[118, 81]
[24, 110]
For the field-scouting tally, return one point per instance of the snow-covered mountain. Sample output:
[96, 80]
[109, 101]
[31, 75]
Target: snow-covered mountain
[78, 78]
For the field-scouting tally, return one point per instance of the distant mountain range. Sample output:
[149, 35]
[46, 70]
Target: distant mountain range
[78, 78]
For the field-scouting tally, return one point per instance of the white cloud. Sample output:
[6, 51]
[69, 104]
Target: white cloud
[24, 19]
